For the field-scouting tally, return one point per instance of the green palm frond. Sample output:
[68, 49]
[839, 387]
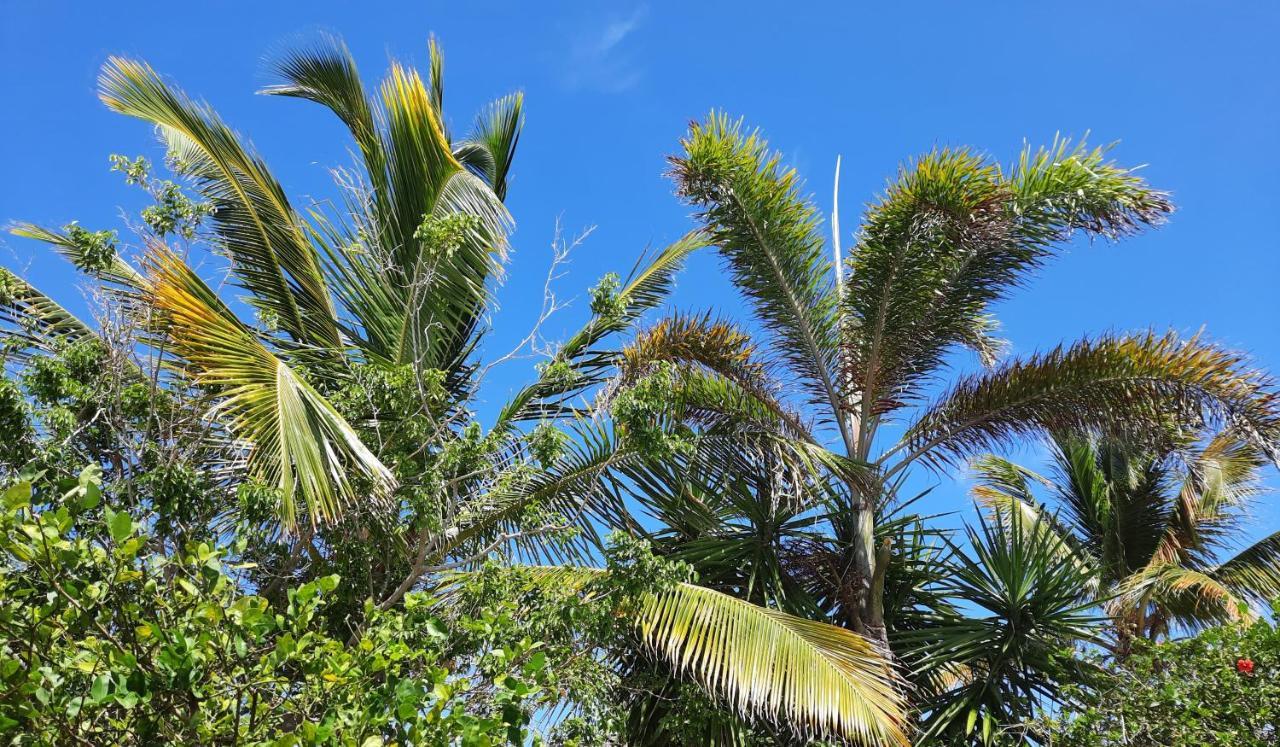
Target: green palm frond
[413, 298]
[34, 319]
[298, 440]
[270, 254]
[770, 238]
[1253, 572]
[326, 73]
[953, 234]
[1004, 489]
[1132, 384]
[490, 149]
[118, 271]
[435, 77]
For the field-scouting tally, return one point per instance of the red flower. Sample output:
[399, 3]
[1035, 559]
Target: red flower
[1244, 666]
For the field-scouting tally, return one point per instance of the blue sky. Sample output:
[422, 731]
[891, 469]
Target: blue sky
[1188, 88]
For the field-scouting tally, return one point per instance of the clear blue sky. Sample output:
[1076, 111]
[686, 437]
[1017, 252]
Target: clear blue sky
[1190, 88]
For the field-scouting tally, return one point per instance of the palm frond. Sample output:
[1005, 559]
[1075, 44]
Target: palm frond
[413, 300]
[813, 677]
[952, 235]
[262, 235]
[770, 238]
[1253, 572]
[34, 319]
[118, 271]
[1170, 593]
[1112, 383]
[299, 442]
[490, 148]
[811, 674]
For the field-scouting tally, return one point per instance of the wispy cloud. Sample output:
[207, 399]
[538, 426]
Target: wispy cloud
[599, 59]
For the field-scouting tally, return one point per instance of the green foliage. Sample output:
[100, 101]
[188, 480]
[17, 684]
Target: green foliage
[107, 641]
[1218, 689]
[95, 250]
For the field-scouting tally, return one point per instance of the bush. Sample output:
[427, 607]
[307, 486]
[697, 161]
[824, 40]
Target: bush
[1221, 687]
[109, 639]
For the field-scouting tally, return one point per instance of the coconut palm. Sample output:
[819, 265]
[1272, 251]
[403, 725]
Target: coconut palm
[1158, 528]
[348, 401]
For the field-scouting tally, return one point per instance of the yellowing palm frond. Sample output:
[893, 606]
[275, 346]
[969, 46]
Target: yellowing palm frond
[299, 441]
[263, 236]
[809, 673]
[813, 677]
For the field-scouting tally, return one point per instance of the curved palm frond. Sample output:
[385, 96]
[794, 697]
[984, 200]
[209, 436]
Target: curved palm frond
[1112, 383]
[1166, 593]
[415, 295]
[119, 271]
[490, 149]
[770, 239]
[270, 254]
[34, 319]
[811, 673]
[819, 678]
[1253, 572]
[299, 441]
[955, 233]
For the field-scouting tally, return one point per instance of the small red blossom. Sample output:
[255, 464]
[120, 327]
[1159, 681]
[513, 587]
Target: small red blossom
[1244, 666]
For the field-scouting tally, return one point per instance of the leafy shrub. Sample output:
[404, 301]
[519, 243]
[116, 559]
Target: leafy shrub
[109, 639]
[1221, 687]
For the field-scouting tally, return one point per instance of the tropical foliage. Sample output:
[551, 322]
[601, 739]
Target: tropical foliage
[806, 434]
[1156, 528]
[295, 528]
[1220, 688]
[335, 434]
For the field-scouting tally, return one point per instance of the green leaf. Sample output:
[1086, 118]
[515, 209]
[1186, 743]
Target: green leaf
[18, 495]
[121, 525]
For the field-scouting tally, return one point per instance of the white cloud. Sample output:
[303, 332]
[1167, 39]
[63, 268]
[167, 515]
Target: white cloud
[599, 60]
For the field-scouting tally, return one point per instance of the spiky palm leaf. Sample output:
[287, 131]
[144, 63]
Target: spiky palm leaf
[1015, 650]
[1136, 382]
[770, 238]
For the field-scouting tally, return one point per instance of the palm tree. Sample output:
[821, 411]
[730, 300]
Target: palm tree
[843, 380]
[803, 426]
[348, 402]
[1154, 526]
